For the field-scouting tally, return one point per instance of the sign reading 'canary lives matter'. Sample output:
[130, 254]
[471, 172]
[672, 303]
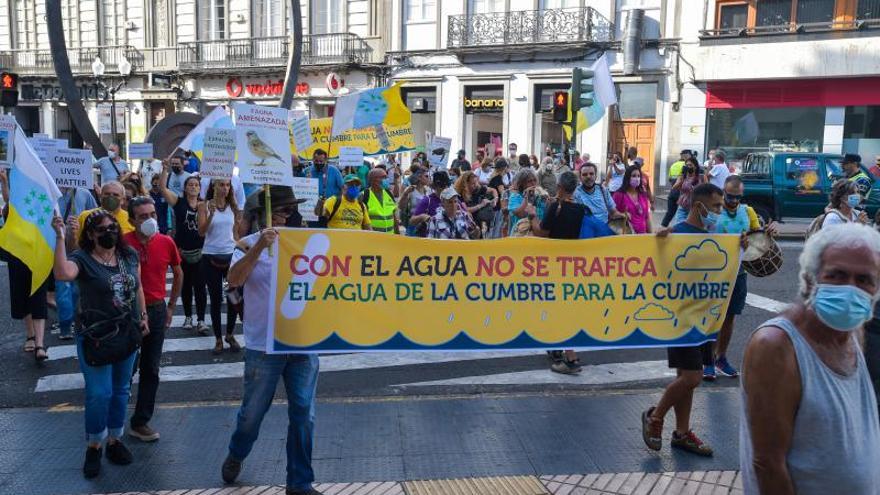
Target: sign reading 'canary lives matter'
[262, 144]
[339, 291]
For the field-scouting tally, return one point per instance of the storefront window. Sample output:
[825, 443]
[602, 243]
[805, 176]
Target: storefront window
[422, 102]
[637, 101]
[861, 132]
[484, 119]
[739, 132]
[547, 132]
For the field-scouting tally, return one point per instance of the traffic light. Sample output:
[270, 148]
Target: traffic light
[560, 106]
[8, 89]
[581, 88]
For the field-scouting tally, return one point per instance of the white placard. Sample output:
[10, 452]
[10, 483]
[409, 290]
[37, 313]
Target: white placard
[351, 156]
[438, 151]
[295, 114]
[140, 151]
[218, 155]
[105, 123]
[302, 132]
[42, 146]
[307, 189]
[40, 135]
[262, 143]
[7, 133]
[70, 167]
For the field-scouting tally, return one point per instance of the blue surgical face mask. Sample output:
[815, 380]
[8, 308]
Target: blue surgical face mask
[351, 192]
[853, 200]
[386, 184]
[710, 219]
[842, 307]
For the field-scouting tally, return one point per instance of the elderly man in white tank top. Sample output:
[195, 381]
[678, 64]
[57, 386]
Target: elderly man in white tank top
[810, 424]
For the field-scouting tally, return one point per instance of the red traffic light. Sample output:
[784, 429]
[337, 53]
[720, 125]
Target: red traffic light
[8, 80]
[560, 99]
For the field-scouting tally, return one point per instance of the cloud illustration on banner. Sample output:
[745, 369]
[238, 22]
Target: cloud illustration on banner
[653, 312]
[704, 257]
[715, 311]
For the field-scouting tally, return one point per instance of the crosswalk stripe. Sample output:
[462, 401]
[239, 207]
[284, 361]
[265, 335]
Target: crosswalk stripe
[765, 303]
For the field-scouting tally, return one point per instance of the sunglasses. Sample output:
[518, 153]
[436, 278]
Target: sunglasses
[284, 212]
[733, 197]
[101, 229]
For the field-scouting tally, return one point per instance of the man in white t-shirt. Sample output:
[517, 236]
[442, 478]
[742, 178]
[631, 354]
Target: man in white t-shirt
[719, 172]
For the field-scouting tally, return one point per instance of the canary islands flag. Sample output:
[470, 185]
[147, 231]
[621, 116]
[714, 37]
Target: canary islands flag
[33, 196]
[195, 140]
[604, 95]
[370, 108]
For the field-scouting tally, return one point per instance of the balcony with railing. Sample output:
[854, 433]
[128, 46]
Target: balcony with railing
[40, 62]
[783, 18]
[576, 26]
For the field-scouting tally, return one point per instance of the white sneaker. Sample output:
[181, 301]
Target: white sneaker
[188, 323]
[202, 328]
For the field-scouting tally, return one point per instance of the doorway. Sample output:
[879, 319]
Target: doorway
[634, 124]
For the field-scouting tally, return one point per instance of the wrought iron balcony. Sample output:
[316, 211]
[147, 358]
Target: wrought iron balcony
[529, 27]
[39, 62]
[836, 27]
[318, 49]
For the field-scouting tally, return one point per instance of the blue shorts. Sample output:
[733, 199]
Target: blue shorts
[738, 298]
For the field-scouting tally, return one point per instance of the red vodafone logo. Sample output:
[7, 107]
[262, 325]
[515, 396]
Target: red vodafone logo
[234, 87]
[334, 83]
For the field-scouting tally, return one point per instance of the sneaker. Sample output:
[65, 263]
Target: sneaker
[202, 329]
[691, 443]
[567, 367]
[725, 367]
[188, 323]
[652, 430]
[143, 433]
[709, 373]
[555, 356]
[66, 336]
[118, 454]
[293, 491]
[230, 470]
[92, 466]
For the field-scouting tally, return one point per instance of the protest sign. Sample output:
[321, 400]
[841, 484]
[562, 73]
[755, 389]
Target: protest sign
[218, 158]
[350, 156]
[7, 133]
[262, 144]
[105, 119]
[140, 151]
[70, 167]
[40, 135]
[43, 146]
[400, 138]
[341, 291]
[307, 189]
[302, 132]
[438, 151]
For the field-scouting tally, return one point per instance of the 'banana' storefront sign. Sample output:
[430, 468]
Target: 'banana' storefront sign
[341, 291]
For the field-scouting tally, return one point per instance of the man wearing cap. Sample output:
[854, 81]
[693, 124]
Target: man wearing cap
[427, 207]
[451, 220]
[346, 211]
[854, 173]
[329, 181]
[460, 164]
[675, 171]
[251, 268]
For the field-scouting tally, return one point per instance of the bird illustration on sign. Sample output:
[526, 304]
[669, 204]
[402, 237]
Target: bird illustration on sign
[260, 149]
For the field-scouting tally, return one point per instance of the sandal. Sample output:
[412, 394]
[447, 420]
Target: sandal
[233, 344]
[218, 348]
[30, 344]
[40, 358]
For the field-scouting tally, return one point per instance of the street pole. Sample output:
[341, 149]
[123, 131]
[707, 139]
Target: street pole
[113, 117]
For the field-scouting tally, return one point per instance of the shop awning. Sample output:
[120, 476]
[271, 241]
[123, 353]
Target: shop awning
[799, 93]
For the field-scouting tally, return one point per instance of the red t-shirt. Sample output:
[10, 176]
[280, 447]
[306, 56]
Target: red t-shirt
[158, 254]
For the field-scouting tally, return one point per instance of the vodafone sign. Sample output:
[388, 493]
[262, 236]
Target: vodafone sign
[235, 88]
[334, 83]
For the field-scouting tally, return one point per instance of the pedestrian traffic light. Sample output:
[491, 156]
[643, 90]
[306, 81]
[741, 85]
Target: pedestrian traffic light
[560, 106]
[8, 89]
[581, 88]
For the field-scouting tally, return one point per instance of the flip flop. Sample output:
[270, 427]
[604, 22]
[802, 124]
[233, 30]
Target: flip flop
[30, 344]
[37, 357]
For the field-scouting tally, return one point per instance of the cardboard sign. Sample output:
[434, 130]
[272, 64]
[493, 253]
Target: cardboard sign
[70, 167]
[438, 151]
[302, 132]
[306, 188]
[40, 135]
[351, 156]
[43, 146]
[140, 151]
[7, 134]
[218, 158]
[262, 144]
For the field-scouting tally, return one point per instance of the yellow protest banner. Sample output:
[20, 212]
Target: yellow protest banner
[400, 139]
[337, 291]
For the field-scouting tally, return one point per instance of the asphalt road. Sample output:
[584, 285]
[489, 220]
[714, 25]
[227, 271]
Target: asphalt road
[195, 369]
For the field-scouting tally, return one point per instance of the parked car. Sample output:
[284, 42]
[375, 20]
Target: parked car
[796, 185]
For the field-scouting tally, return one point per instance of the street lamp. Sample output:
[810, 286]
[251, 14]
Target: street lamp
[98, 69]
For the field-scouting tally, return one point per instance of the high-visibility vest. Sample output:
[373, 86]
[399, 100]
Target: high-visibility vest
[381, 209]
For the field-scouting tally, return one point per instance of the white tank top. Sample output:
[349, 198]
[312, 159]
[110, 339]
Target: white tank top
[835, 446]
[218, 238]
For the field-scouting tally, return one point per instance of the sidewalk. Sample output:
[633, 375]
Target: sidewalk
[554, 444]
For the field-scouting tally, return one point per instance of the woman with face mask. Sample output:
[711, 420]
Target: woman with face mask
[189, 242]
[218, 215]
[690, 178]
[844, 201]
[614, 174]
[632, 199]
[107, 273]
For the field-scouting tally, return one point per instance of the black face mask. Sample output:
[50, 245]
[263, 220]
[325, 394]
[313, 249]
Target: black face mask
[107, 240]
[176, 169]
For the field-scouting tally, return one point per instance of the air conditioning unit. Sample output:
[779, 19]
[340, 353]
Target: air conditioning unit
[420, 105]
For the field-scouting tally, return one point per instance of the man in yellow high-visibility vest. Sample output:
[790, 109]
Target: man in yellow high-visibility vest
[380, 202]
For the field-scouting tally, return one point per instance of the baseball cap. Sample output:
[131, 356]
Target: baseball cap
[448, 194]
[462, 152]
[685, 152]
[440, 179]
[352, 178]
[851, 158]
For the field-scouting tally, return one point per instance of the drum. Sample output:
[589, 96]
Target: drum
[762, 257]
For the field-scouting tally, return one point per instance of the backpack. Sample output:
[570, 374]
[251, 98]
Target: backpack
[816, 224]
[338, 203]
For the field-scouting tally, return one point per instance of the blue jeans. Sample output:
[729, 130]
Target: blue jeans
[107, 391]
[66, 297]
[261, 374]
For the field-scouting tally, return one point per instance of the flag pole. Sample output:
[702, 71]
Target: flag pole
[268, 210]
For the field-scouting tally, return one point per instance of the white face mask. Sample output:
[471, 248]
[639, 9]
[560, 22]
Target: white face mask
[150, 227]
[111, 154]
